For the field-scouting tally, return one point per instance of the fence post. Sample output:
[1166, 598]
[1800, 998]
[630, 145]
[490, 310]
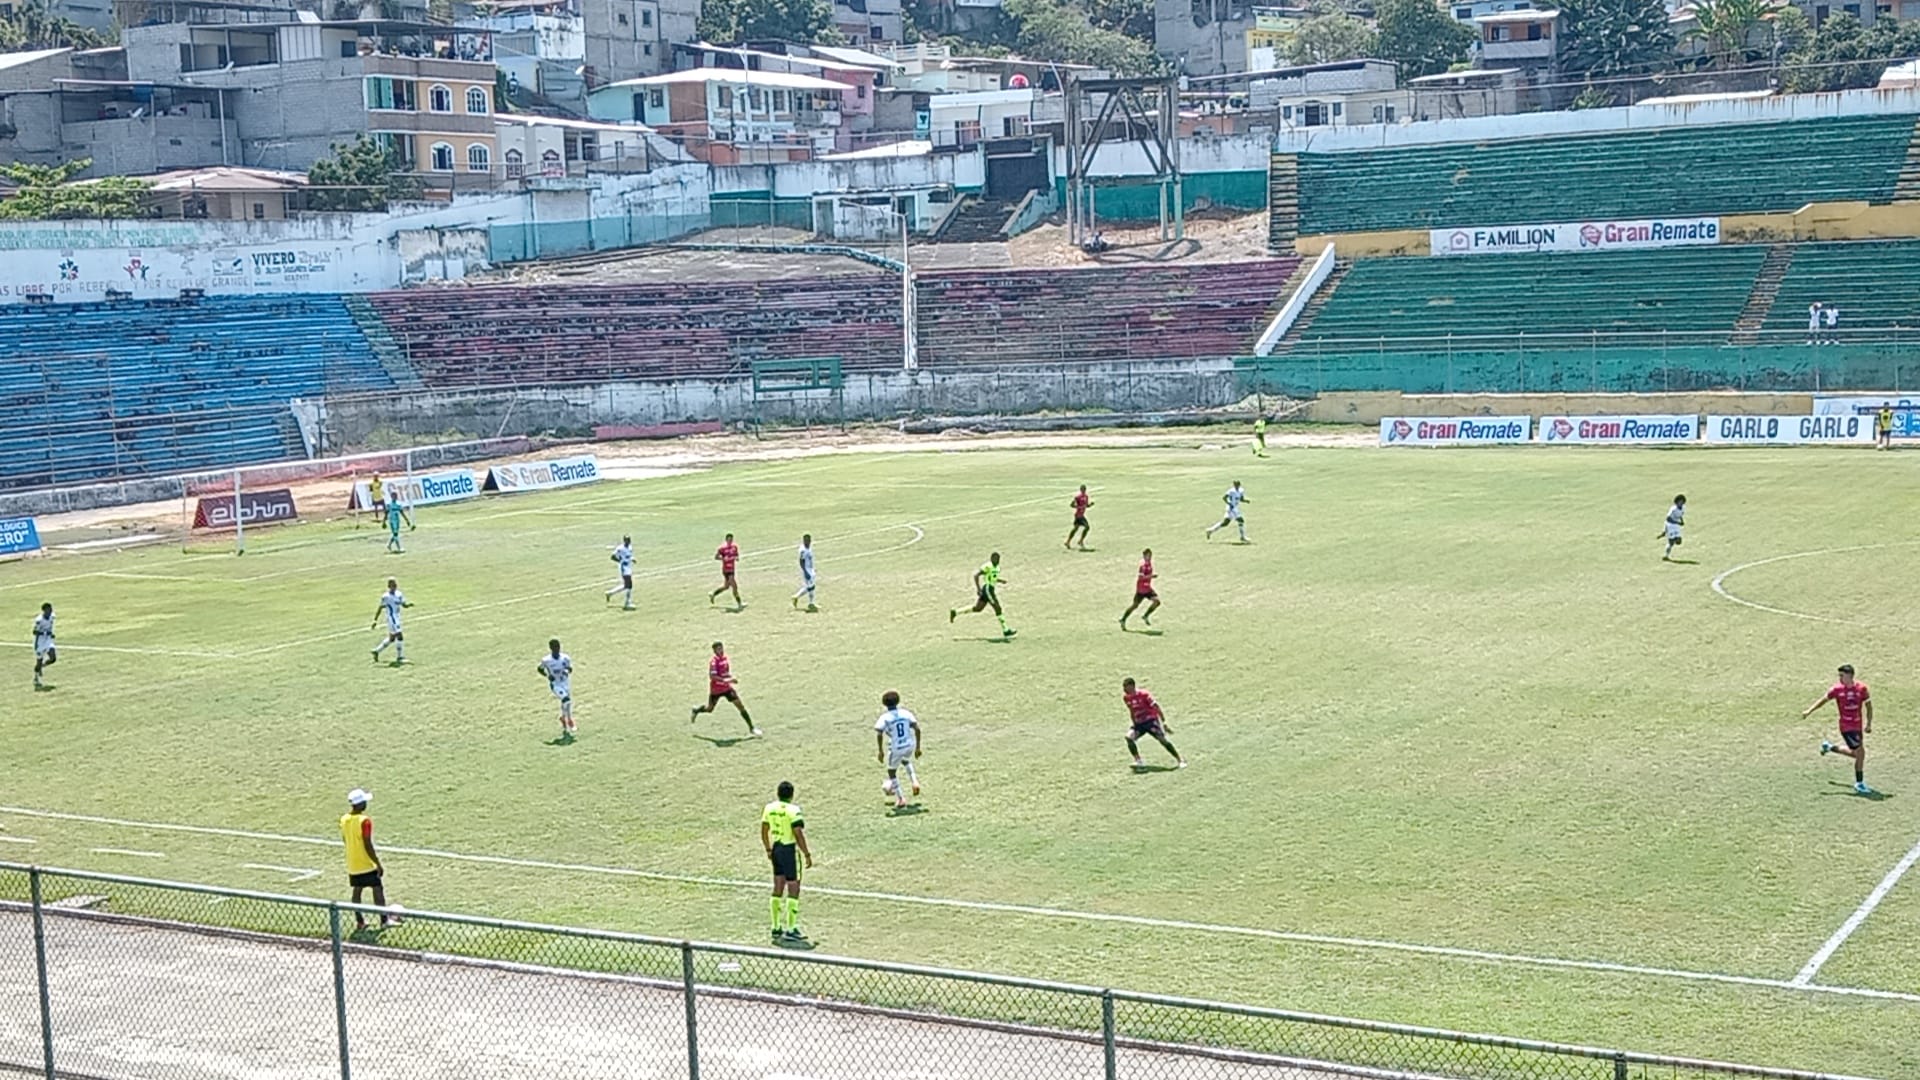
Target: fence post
[1619, 1065]
[339, 989]
[1106, 1034]
[693, 1025]
[40, 967]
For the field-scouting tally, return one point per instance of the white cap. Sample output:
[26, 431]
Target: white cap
[358, 796]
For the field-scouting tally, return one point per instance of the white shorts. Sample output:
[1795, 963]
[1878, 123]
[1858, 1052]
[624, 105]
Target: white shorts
[393, 625]
[806, 581]
[1673, 531]
[1233, 513]
[899, 756]
[42, 647]
[562, 689]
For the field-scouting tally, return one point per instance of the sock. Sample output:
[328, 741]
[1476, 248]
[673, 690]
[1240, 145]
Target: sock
[1003, 622]
[913, 777]
[399, 650]
[1859, 775]
[380, 648]
[1134, 749]
[629, 598]
[748, 719]
[1243, 529]
[793, 913]
[773, 912]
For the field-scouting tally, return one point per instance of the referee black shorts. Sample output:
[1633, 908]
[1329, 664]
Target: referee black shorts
[786, 862]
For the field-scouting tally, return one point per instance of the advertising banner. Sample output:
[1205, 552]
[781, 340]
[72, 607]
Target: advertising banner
[1576, 236]
[1789, 430]
[1906, 424]
[256, 508]
[539, 475]
[18, 536]
[420, 489]
[1618, 430]
[1454, 430]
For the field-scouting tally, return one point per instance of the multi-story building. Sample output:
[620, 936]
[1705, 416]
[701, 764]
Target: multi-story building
[1273, 28]
[539, 45]
[1203, 37]
[627, 39]
[869, 22]
[424, 90]
[59, 105]
[1528, 40]
[730, 116]
[861, 80]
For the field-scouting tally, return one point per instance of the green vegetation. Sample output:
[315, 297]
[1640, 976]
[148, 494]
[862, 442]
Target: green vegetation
[50, 191]
[361, 175]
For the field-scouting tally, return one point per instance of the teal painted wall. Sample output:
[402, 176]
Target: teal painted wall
[1141, 202]
[512, 243]
[746, 209]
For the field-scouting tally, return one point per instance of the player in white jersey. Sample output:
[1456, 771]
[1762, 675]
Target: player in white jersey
[896, 739]
[391, 603]
[807, 581]
[558, 668]
[44, 654]
[1676, 520]
[1233, 498]
[624, 556]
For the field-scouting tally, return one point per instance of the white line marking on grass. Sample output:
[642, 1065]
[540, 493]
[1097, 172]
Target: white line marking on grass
[299, 873]
[1719, 582]
[126, 575]
[133, 650]
[16, 840]
[1359, 944]
[129, 853]
[1819, 959]
[50, 581]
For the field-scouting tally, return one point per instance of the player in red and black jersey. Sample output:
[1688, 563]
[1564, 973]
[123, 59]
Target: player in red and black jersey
[1850, 697]
[1147, 720]
[720, 687]
[1080, 503]
[728, 556]
[1143, 591]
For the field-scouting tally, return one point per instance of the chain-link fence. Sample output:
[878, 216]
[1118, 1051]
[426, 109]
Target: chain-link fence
[109, 977]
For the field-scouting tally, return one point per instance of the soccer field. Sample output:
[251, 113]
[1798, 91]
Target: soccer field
[1464, 751]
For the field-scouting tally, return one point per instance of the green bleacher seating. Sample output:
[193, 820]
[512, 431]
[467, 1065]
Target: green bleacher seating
[1876, 284]
[1683, 171]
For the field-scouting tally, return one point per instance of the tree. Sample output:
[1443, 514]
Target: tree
[1054, 30]
[1842, 55]
[362, 175]
[50, 191]
[1727, 27]
[1420, 37]
[29, 25]
[1133, 18]
[728, 21]
[1608, 38]
[1329, 36]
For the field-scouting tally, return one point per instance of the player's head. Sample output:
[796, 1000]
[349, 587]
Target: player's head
[627, 540]
[46, 609]
[1146, 553]
[1127, 684]
[1083, 489]
[806, 539]
[357, 799]
[1846, 674]
[393, 584]
[1236, 483]
[729, 538]
[890, 699]
[785, 790]
[718, 648]
[1679, 500]
[994, 558]
[553, 646]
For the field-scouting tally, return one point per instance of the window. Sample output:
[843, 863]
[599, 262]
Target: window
[656, 98]
[623, 18]
[646, 17]
[1379, 114]
[726, 97]
[479, 157]
[877, 33]
[390, 94]
[1851, 9]
[442, 157]
[440, 99]
[1390, 116]
[349, 49]
[753, 99]
[550, 164]
[1336, 108]
[1533, 31]
[639, 106]
[1463, 13]
[1286, 112]
[516, 165]
[259, 211]
[476, 100]
[861, 92]
[779, 101]
[648, 47]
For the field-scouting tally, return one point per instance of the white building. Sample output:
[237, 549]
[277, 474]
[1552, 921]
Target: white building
[728, 115]
[1330, 95]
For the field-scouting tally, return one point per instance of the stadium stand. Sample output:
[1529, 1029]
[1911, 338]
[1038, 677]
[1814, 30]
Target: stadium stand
[1717, 169]
[988, 317]
[1872, 282]
[125, 388]
[1678, 289]
[584, 333]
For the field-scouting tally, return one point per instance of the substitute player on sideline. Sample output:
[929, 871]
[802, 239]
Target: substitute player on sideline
[1081, 502]
[896, 741]
[1675, 525]
[1143, 591]
[720, 686]
[44, 654]
[986, 593]
[363, 863]
[807, 582]
[783, 832]
[727, 556]
[1147, 720]
[1856, 723]
[1233, 498]
[391, 603]
[624, 556]
[558, 668]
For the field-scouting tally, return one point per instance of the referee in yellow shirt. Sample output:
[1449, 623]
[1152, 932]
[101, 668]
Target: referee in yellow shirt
[783, 833]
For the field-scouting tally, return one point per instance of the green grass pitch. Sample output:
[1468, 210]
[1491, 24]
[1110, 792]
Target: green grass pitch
[1446, 699]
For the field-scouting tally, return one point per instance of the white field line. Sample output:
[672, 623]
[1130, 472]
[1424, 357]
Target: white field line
[127, 575]
[1819, 959]
[134, 650]
[1719, 582]
[130, 853]
[16, 840]
[50, 581]
[1326, 940]
[299, 873]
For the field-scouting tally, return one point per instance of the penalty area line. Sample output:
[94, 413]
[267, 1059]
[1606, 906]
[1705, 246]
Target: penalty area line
[1819, 959]
[1034, 911]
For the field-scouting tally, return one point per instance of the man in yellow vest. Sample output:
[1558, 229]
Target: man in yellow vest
[1883, 426]
[363, 863]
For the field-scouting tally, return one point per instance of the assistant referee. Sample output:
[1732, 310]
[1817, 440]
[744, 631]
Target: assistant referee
[783, 832]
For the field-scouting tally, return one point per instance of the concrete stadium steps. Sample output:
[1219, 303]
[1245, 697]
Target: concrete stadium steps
[392, 357]
[1766, 289]
[1658, 172]
[1872, 281]
[1283, 203]
[978, 221]
[1907, 189]
[1315, 304]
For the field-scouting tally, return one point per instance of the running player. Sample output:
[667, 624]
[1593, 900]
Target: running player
[783, 833]
[44, 654]
[1233, 498]
[1080, 504]
[1143, 591]
[806, 573]
[896, 740]
[558, 668]
[720, 685]
[986, 593]
[1676, 520]
[1147, 720]
[391, 603]
[624, 556]
[727, 556]
[1260, 435]
[1856, 723]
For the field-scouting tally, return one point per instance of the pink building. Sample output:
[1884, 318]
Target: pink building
[856, 102]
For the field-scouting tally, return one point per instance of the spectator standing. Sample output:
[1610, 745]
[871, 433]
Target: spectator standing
[1813, 323]
[1830, 314]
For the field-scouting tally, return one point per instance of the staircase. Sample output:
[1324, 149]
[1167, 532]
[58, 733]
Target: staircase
[385, 349]
[1766, 287]
[1283, 203]
[1314, 303]
[977, 221]
[1908, 186]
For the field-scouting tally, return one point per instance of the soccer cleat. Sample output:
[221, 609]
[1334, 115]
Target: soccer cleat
[1826, 748]
[1860, 788]
[695, 715]
[916, 789]
[794, 935]
[796, 603]
[1148, 619]
[1008, 632]
[756, 733]
[812, 609]
[1123, 622]
[626, 607]
[376, 656]
[1138, 764]
[777, 937]
[1179, 763]
[952, 614]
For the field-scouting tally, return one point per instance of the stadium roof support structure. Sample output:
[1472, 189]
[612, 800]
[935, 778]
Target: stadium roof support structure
[1150, 115]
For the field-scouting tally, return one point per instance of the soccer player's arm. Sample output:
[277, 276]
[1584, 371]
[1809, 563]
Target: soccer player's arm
[377, 609]
[1866, 704]
[880, 743]
[800, 841]
[977, 575]
[1815, 707]
[366, 835]
[766, 836]
[919, 738]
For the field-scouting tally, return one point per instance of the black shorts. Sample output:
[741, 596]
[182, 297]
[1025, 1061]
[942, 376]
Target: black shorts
[1154, 728]
[1145, 594]
[1853, 739]
[1080, 521]
[985, 597]
[786, 862]
[715, 699]
[368, 880]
